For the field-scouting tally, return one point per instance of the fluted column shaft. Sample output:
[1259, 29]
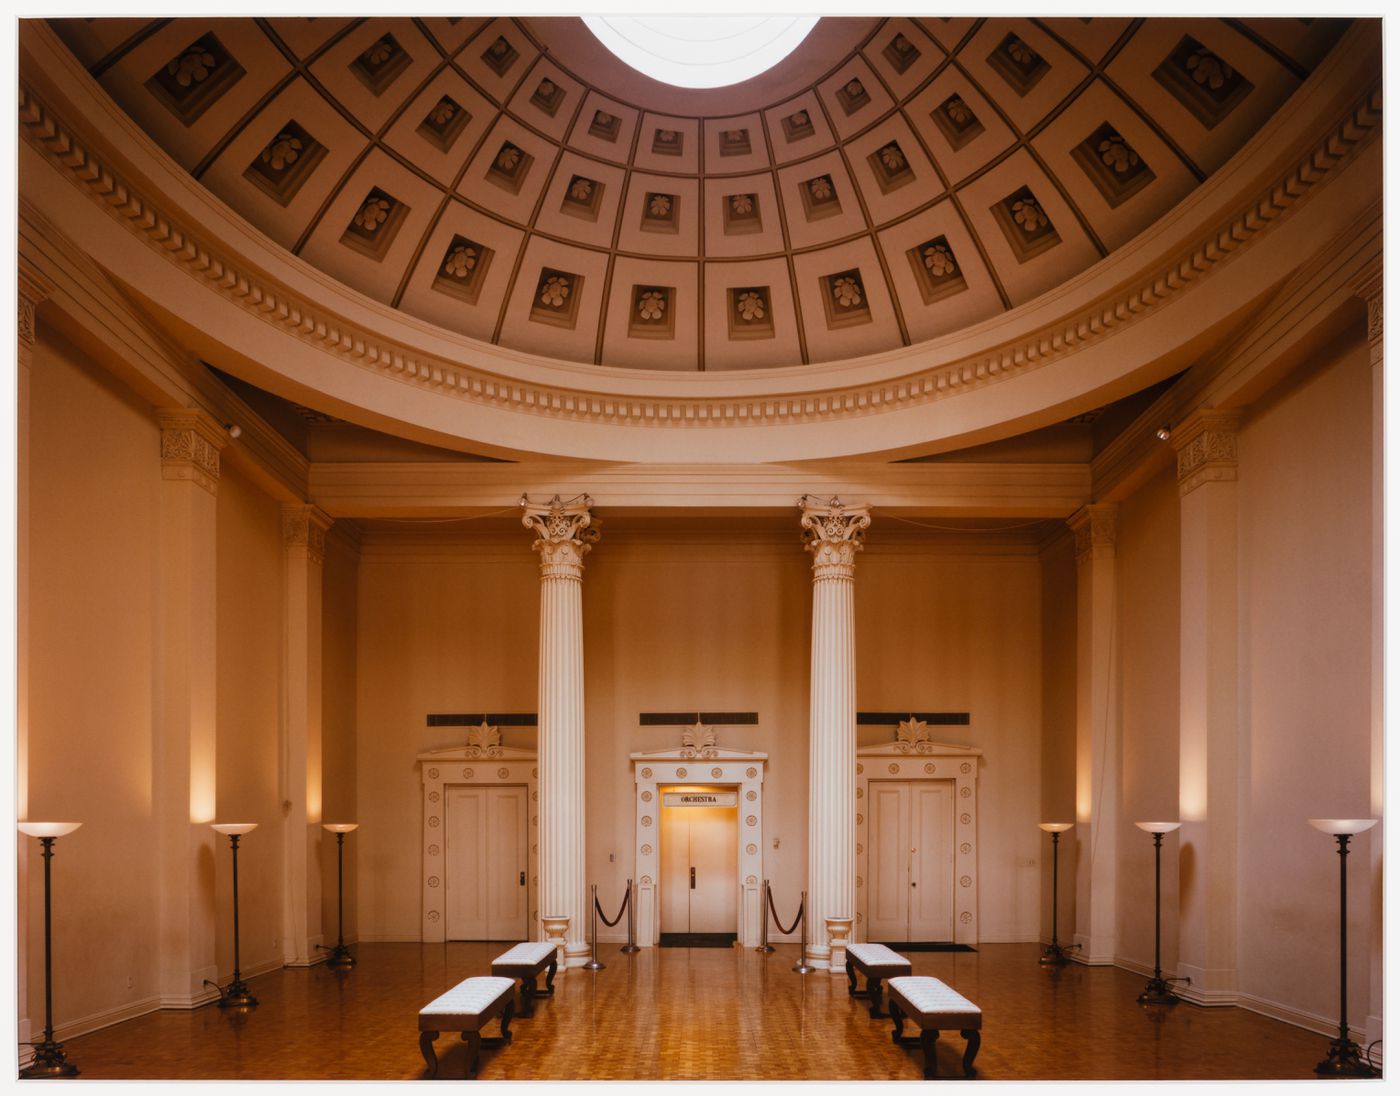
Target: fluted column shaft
[833, 534]
[565, 533]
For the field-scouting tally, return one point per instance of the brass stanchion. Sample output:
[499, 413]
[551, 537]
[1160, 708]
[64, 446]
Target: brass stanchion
[801, 967]
[763, 944]
[593, 963]
[631, 944]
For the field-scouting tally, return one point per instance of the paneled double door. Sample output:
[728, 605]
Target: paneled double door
[910, 895]
[486, 862]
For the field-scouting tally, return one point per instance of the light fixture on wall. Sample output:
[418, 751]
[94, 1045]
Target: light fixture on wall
[237, 995]
[1157, 992]
[49, 1060]
[234, 430]
[1164, 431]
[1055, 955]
[340, 957]
[1344, 1057]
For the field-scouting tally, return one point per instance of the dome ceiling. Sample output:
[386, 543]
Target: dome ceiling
[893, 181]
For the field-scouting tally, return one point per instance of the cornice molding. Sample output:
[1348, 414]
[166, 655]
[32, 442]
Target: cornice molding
[805, 400]
[1207, 449]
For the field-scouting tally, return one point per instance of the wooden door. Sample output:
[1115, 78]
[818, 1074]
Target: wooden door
[910, 863]
[486, 863]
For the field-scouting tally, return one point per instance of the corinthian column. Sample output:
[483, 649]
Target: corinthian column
[833, 534]
[564, 533]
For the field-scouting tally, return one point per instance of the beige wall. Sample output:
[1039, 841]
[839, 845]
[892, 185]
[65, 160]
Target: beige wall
[686, 615]
[1149, 621]
[247, 753]
[1305, 684]
[94, 501]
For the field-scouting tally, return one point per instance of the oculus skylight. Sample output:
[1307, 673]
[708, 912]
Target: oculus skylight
[701, 51]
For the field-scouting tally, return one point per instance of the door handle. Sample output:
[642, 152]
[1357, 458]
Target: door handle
[692, 878]
[522, 878]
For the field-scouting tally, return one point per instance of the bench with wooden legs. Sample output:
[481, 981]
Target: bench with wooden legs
[876, 962]
[527, 962]
[466, 1007]
[934, 1007]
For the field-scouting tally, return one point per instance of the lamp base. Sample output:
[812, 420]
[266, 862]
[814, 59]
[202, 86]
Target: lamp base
[1054, 956]
[237, 996]
[1157, 993]
[48, 1062]
[340, 958]
[1344, 1059]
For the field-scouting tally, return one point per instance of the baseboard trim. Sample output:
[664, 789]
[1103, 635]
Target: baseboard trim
[95, 1021]
[1309, 1021]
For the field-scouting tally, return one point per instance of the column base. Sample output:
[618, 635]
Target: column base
[576, 953]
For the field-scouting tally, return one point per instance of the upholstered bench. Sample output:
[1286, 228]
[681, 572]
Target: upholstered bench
[934, 1007]
[527, 962]
[466, 1007]
[875, 961]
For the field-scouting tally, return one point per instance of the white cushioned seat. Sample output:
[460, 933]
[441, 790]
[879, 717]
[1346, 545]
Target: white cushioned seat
[465, 1000]
[526, 954]
[876, 955]
[932, 998]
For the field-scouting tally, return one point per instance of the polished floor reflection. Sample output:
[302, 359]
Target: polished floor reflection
[699, 1013]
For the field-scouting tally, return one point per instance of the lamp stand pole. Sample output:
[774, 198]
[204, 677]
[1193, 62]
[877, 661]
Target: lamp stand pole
[48, 1055]
[340, 957]
[1157, 992]
[1344, 1056]
[237, 995]
[1054, 955]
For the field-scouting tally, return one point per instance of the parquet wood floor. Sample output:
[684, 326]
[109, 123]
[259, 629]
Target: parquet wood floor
[708, 1014]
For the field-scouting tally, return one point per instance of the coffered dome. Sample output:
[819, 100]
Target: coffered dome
[891, 182]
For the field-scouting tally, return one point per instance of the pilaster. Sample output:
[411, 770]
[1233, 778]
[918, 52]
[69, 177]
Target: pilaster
[564, 533]
[32, 290]
[1097, 734]
[303, 554]
[1208, 738]
[833, 533]
[186, 708]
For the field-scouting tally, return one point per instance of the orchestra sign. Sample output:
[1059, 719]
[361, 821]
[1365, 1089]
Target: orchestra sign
[700, 799]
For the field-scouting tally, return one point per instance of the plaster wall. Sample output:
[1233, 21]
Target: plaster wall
[1149, 564]
[95, 491]
[681, 616]
[1304, 470]
[248, 746]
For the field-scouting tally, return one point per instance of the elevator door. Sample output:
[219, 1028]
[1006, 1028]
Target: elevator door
[911, 861]
[486, 864]
[699, 864]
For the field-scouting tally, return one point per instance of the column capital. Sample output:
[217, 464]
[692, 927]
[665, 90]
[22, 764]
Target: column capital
[1206, 449]
[304, 526]
[565, 532]
[190, 441]
[31, 289]
[833, 533]
[1369, 285]
[1095, 529]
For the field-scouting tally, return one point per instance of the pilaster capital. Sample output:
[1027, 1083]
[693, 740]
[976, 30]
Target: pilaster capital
[31, 288]
[833, 533]
[304, 528]
[1207, 449]
[565, 532]
[1095, 529]
[190, 441]
[1369, 285]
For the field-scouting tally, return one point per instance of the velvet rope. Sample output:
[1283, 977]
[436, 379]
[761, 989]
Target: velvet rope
[620, 909]
[778, 920]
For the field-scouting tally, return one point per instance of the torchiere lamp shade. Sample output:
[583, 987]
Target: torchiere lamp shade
[1056, 827]
[48, 829]
[340, 827]
[1349, 826]
[233, 827]
[1158, 827]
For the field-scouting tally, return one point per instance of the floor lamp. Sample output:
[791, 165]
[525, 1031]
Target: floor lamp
[237, 995]
[340, 957]
[48, 1055]
[1157, 992]
[1344, 1058]
[1054, 955]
